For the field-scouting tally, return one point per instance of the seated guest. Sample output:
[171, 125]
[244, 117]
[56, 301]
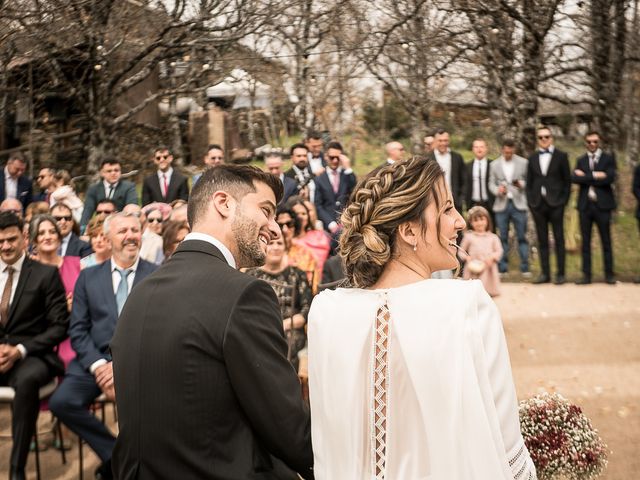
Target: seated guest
[35, 208]
[33, 320]
[317, 241]
[65, 193]
[99, 243]
[178, 214]
[98, 298]
[46, 184]
[297, 255]
[11, 205]
[313, 214]
[45, 239]
[71, 243]
[155, 215]
[172, 235]
[13, 182]
[177, 203]
[106, 207]
[165, 184]
[278, 273]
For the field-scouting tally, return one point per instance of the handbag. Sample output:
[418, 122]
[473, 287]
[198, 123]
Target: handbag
[476, 267]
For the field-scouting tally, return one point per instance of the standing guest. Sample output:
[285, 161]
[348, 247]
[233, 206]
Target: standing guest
[71, 243]
[65, 193]
[294, 295]
[395, 152]
[548, 188]
[11, 205]
[334, 187]
[428, 144]
[452, 164]
[507, 181]
[98, 298]
[297, 255]
[166, 184]
[121, 192]
[33, 320]
[481, 250]
[595, 173]
[212, 157]
[45, 238]
[477, 191]
[172, 235]
[46, 183]
[13, 182]
[316, 241]
[204, 342]
[273, 164]
[315, 156]
[300, 171]
[99, 244]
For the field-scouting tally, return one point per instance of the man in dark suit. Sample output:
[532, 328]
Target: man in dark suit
[13, 182]
[203, 384]
[47, 184]
[98, 298]
[453, 166]
[334, 187]
[315, 156]
[477, 191]
[548, 188]
[33, 320]
[300, 171]
[166, 184]
[595, 173]
[122, 192]
[273, 164]
[71, 244]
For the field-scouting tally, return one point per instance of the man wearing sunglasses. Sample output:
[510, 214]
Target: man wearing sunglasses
[212, 157]
[47, 184]
[71, 244]
[14, 183]
[548, 188]
[595, 173]
[166, 184]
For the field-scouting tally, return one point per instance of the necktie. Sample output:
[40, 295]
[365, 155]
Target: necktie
[123, 288]
[335, 181]
[6, 296]
[544, 151]
[480, 182]
[591, 193]
[111, 189]
[165, 187]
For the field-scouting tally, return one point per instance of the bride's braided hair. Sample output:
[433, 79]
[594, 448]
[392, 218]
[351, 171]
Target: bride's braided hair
[388, 197]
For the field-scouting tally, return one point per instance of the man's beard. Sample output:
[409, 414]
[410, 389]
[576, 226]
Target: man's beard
[245, 233]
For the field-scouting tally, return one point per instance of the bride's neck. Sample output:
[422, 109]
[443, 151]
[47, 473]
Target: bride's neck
[400, 272]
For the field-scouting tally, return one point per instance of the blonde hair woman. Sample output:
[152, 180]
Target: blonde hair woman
[409, 376]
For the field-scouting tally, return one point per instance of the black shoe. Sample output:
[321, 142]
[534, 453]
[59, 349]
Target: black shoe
[17, 474]
[103, 472]
[542, 279]
[610, 279]
[584, 281]
[560, 280]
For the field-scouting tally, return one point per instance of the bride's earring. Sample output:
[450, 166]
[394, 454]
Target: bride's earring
[415, 247]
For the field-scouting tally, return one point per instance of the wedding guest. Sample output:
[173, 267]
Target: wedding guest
[46, 183]
[297, 255]
[317, 241]
[12, 205]
[14, 183]
[166, 184]
[300, 171]
[279, 275]
[273, 164]
[428, 144]
[313, 214]
[46, 238]
[315, 155]
[106, 207]
[179, 202]
[477, 191]
[71, 243]
[172, 235]
[179, 214]
[394, 151]
[452, 164]
[155, 216]
[212, 157]
[35, 208]
[99, 243]
[481, 250]
[65, 193]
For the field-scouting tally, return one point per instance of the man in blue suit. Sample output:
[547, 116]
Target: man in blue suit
[122, 192]
[98, 298]
[273, 164]
[334, 187]
[13, 182]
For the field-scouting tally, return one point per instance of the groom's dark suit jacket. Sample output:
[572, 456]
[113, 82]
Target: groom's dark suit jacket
[203, 386]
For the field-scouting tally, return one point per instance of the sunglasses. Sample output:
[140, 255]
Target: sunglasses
[544, 137]
[333, 158]
[66, 218]
[289, 224]
[160, 157]
[154, 220]
[593, 142]
[106, 212]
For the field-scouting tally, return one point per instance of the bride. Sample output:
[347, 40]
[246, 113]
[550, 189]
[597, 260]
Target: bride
[410, 377]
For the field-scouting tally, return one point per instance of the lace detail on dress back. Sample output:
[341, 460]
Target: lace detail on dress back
[380, 393]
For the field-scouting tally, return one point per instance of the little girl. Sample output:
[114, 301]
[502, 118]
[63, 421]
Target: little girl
[484, 251]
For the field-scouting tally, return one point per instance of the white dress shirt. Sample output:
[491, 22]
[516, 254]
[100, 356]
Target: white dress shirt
[479, 174]
[593, 162]
[545, 160]
[10, 185]
[4, 276]
[444, 160]
[216, 243]
[508, 169]
[161, 176]
[64, 244]
[315, 164]
[107, 188]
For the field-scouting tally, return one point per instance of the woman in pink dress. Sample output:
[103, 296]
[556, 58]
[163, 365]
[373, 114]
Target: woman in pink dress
[46, 238]
[482, 251]
[317, 241]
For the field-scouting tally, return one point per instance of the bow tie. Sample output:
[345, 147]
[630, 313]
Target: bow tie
[544, 151]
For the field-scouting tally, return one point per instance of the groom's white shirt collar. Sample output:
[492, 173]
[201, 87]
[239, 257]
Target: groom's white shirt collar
[216, 243]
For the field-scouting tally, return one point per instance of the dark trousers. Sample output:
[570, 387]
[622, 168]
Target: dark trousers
[543, 215]
[602, 218]
[70, 403]
[519, 219]
[26, 377]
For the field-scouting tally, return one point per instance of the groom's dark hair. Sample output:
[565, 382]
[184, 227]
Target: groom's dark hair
[236, 180]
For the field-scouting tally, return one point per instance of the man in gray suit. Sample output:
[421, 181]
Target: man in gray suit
[507, 180]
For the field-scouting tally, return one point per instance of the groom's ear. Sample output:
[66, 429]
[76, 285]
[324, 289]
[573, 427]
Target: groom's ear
[224, 204]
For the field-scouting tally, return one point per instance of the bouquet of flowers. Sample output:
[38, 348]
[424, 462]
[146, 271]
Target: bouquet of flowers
[561, 441]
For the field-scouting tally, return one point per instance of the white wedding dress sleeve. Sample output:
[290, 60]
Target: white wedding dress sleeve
[413, 383]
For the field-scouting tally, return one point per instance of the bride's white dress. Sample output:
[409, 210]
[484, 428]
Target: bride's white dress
[413, 383]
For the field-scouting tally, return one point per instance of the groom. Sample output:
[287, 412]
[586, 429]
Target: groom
[203, 385]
